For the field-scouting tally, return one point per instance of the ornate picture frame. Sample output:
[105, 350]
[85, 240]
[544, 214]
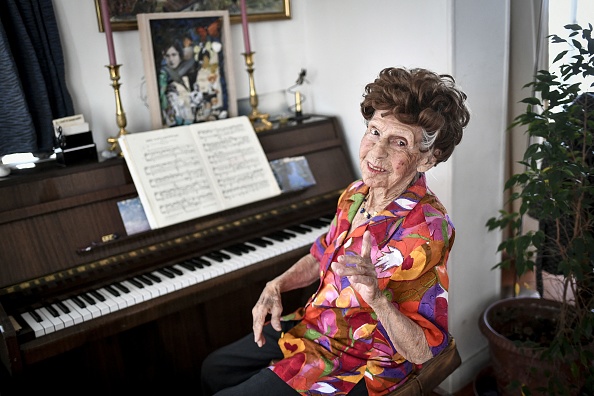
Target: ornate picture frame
[123, 12]
[188, 67]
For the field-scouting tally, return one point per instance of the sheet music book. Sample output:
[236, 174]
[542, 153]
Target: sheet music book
[185, 172]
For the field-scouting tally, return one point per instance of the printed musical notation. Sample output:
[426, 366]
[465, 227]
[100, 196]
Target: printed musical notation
[186, 172]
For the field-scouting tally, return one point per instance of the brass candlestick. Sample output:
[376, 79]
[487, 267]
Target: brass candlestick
[259, 120]
[114, 74]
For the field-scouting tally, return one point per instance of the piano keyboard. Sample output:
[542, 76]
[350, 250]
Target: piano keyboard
[105, 300]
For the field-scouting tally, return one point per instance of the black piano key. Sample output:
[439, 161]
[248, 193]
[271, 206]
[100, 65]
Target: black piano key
[224, 256]
[198, 262]
[299, 229]
[215, 257]
[36, 316]
[53, 311]
[315, 223]
[249, 248]
[288, 234]
[277, 236]
[97, 295]
[78, 302]
[260, 242]
[245, 248]
[136, 283]
[88, 299]
[204, 262]
[235, 250]
[112, 290]
[154, 277]
[188, 265]
[145, 280]
[121, 287]
[63, 307]
[166, 273]
[175, 271]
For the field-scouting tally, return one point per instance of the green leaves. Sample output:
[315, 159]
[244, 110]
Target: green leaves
[556, 187]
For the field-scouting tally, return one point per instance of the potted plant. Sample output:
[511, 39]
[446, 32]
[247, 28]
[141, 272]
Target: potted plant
[556, 187]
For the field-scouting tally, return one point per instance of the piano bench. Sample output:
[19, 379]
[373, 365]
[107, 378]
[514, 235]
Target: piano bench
[434, 372]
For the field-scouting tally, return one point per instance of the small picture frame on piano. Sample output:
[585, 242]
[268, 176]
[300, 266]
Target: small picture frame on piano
[133, 216]
[292, 173]
[187, 60]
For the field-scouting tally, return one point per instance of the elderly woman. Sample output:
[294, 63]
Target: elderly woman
[381, 307]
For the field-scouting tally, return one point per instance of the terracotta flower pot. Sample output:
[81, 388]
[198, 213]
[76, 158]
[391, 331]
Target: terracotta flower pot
[509, 322]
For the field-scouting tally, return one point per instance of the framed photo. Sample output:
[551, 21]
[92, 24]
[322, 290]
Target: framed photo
[123, 12]
[188, 68]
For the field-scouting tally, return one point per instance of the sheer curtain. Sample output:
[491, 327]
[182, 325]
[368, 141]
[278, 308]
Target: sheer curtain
[33, 90]
[528, 53]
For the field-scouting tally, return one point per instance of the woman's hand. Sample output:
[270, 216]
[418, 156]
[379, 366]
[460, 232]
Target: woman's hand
[360, 271]
[407, 336]
[268, 303]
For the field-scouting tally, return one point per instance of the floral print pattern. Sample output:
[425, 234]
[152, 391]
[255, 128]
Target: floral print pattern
[339, 340]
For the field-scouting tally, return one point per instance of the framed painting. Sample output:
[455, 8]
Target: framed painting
[123, 12]
[188, 67]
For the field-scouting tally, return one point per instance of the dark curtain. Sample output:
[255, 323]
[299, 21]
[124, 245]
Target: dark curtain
[32, 80]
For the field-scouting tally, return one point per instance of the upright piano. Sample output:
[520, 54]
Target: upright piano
[81, 302]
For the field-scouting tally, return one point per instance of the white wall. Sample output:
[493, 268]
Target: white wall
[343, 44]
[480, 60]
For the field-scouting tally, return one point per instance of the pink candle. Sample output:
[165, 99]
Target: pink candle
[244, 24]
[107, 29]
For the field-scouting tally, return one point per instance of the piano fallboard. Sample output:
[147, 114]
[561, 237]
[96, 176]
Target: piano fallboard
[52, 248]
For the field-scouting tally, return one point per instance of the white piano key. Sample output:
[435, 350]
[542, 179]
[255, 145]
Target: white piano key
[159, 287]
[236, 262]
[64, 317]
[191, 275]
[229, 265]
[128, 296]
[262, 252]
[165, 282]
[147, 291]
[214, 269]
[83, 312]
[112, 301]
[100, 305]
[75, 315]
[181, 279]
[170, 278]
[47, 324]
[205, 273]
[279, 247]
[56, 322]
[93, 309]
[139, 294]
[35, 325]
[156, 288]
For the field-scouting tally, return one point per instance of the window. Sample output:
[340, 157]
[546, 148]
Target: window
[564, 12]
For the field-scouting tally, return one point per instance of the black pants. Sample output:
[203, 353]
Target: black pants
[240, 368]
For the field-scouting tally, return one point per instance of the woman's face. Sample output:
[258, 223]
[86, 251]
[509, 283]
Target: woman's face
[172, 57]
[389, 154]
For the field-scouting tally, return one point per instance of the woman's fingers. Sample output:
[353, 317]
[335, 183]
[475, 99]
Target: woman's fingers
[269, 303]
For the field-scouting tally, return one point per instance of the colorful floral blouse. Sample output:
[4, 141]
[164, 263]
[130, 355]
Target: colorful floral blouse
[339, 339]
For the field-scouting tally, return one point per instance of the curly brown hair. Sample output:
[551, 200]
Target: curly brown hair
[424, 98]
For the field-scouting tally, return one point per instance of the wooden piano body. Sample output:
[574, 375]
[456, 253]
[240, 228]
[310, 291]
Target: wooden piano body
[47, 216]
